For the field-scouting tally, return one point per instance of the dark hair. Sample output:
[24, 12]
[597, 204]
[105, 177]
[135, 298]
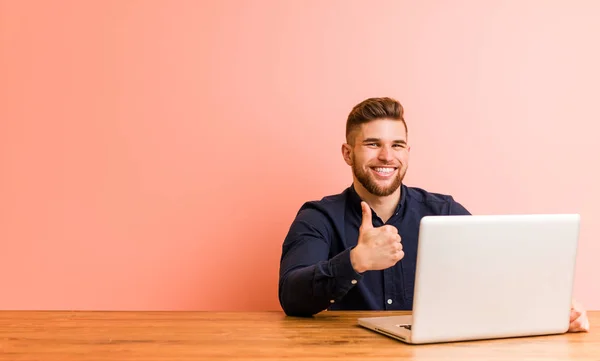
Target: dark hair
[373, 109]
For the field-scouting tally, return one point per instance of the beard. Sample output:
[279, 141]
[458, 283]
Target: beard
[368, 181]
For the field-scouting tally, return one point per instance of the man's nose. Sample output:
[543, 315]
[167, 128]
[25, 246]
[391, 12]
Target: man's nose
[385, 154]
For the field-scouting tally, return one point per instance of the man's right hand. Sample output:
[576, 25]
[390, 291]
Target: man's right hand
[377, 248]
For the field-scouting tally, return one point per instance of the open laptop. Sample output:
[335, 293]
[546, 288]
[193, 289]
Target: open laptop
[489, 276]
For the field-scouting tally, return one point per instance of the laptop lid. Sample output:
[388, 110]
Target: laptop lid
[489, 276]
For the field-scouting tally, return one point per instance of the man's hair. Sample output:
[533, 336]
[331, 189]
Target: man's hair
[374, 109]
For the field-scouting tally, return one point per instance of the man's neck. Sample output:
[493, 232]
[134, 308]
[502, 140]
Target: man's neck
[383, 206]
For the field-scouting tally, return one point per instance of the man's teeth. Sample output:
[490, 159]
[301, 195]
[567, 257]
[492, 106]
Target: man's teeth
[384, 170]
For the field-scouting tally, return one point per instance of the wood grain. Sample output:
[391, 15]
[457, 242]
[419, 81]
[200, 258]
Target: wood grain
[67, 336]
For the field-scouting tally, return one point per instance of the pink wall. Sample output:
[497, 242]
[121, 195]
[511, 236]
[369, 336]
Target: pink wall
[154, 153]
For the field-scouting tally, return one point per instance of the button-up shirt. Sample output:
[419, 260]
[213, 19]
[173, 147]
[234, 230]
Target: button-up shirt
[315, 270]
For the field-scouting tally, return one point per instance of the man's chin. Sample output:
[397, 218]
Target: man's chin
[383, 191]
[379, 187]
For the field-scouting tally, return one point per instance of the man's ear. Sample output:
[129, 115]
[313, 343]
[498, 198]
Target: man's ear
[347, 153]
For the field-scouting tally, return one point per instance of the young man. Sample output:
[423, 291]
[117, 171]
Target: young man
[371, 226]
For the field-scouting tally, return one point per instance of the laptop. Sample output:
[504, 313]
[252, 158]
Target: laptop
[488, 276]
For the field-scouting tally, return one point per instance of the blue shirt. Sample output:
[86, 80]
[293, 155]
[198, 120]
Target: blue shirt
[315, 270]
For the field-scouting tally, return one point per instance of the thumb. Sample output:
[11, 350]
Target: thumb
[367, 222]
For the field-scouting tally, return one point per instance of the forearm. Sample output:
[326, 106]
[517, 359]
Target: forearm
[308, 290]
[297, 293]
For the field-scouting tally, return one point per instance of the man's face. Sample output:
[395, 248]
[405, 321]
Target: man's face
[379, 156]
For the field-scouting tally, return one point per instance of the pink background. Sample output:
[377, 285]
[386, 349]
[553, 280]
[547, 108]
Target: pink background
[154, 153]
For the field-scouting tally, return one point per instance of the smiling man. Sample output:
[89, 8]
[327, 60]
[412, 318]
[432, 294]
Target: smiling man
[371, 226]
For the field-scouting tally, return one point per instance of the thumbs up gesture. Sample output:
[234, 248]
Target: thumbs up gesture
[377, 248]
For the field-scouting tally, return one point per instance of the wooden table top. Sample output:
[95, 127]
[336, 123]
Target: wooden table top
[66, 336]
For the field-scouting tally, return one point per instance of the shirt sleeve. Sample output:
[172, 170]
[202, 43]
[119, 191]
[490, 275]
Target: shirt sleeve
[309, 281]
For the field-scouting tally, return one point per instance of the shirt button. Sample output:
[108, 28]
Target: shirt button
[354, 282]
[332, 301]
[390, 301]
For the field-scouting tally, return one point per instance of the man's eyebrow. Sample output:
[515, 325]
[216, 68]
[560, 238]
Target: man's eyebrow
[376, 140]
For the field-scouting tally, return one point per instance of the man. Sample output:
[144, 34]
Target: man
[371, 226]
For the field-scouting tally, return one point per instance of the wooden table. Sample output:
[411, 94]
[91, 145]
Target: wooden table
[173, 336]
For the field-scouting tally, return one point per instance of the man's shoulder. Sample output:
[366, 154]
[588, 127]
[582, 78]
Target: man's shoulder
[334, 198]
[322, 214]
[327, 203]
[424, 196]
[434, 202]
